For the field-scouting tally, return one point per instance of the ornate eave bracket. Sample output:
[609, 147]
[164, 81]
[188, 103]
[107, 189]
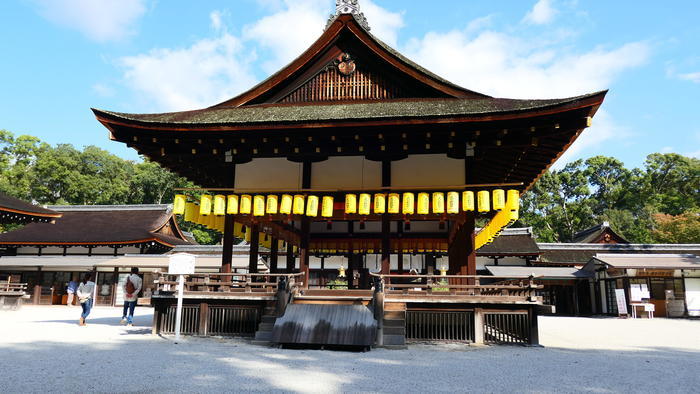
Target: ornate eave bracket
[351, 7]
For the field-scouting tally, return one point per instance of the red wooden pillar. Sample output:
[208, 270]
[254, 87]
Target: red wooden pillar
[290, 261]
[227, 253]
[386, 223]
[273, 256]
[305, 228]
[254, 248]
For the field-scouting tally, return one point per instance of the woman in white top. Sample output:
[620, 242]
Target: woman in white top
[85, 292]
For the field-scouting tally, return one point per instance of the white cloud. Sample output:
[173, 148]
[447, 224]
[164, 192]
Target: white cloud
[542, 13]
[103, 90]
[692, 77]
[383, 23]
[215, 18]
[509, 66]
[289, 31]
[98, 20]
[209, 71]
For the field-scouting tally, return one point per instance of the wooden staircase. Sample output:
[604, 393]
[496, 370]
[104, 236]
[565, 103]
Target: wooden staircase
[393, 330]
[263, 336]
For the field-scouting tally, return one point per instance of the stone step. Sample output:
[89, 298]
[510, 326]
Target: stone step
[266, 327]
[394, 340]
[394, 315]
[268, 319]
[263, 336]
[394, 323]
[388, 330]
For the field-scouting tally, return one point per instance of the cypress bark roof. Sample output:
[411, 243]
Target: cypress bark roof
[395, 109]
[102, 225]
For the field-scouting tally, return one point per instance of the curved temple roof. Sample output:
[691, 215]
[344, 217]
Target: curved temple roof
[13, 210]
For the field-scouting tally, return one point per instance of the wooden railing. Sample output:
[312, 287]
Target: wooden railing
[459, 285]
[9, 288]
[229, 283]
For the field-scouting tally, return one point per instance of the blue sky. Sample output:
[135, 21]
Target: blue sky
[61, 57]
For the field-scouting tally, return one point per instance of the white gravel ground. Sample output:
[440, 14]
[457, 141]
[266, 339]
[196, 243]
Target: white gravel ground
[42, 349]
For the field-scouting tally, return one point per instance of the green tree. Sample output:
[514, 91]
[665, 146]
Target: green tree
[671, 183]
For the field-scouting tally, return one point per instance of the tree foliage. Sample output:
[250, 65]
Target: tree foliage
[638, 203]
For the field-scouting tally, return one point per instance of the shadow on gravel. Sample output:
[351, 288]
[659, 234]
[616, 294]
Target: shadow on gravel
[144, 363]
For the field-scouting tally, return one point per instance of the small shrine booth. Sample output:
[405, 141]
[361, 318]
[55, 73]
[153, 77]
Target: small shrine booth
[356, 157]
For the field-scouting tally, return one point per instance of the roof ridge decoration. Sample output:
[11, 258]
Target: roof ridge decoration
[351, 7]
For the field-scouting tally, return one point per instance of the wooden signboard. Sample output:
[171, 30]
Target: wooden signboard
[621, 302]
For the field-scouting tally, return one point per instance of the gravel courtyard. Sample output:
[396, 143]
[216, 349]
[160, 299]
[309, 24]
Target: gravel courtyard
[43, 350]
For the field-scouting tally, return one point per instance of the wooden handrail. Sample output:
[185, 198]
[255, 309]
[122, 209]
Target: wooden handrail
[454, 276]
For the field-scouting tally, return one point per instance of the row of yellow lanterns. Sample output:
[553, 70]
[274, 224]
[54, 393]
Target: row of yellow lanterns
[363, 204]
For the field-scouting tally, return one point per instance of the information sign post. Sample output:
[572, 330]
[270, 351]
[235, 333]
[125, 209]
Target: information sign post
[180, 264]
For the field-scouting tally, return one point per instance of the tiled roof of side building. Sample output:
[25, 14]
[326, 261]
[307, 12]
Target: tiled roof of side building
[102, 225]
[583, 252]
[13, 206]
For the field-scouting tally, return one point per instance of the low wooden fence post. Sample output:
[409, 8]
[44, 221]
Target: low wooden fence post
[478, 325]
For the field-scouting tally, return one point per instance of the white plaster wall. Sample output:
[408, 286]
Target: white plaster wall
[427, 170]
[346, 172]
[269, 173]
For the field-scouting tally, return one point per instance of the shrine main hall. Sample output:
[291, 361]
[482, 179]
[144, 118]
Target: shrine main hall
[389, 175]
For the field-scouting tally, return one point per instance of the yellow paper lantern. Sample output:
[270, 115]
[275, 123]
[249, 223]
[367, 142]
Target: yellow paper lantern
[409, 204]
[499, 199]
[312, 206]
[179, 204]
[286, 204]
[219, 205]
[327, 207]
[364, 204]
[452, 202]
[513, 201]
[350, 203]
[423, 203]
[205, 205]
[484, 203]
[298, 206]
[258, 205]
[438, 202]
[246, 204]
[468, 201]
[394, 203]
[232, 205]
[271, 205]
[379, 203]
[190, 209]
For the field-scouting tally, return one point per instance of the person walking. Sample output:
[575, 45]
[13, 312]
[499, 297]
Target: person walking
[85, 292]
[132, 287]
[70, 291]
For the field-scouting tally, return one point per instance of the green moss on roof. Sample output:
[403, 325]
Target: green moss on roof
[406, 109]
